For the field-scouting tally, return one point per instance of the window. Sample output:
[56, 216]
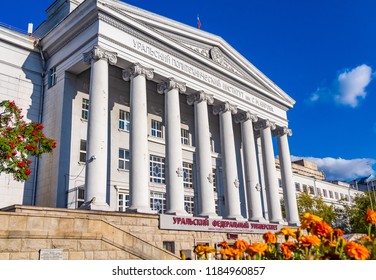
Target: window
[280, 183]
[157, 169]
[311, 190]
[158, 202]
[52, 77]
[83, 151]
[342, 196]
[214, 173]
[123, 158]
[189, 204]
[156, 129]
[80, 197]
[185, 137]
[336, 195]
[330, 194]
[85, 109]
[123, 201]
[319, 192]
[325, 193]
[188, 175]
[305, 188]
[169, 246]
[216, 206]
[124, 120]
[297, 187]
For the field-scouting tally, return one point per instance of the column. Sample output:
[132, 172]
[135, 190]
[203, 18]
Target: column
[139, 152]
[271, 181]
[201, 100]
[174, 167]
[97, 133]
[252, 182]
[229, 166]
[260, 160]
[289, 192]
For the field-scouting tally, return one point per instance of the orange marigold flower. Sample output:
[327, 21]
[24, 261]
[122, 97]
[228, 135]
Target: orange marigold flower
[309, 240]
[357, 251]
[322, 229]
[308, 219]
[240, 244]
[224, 244]
[371, 216]
[286, 232]
[287, 249]
[337, 232]
[257, 248]
[269, 238]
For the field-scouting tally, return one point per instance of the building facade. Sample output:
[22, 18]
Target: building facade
[150, 116]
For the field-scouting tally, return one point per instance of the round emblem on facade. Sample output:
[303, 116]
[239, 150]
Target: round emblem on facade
[216, 55]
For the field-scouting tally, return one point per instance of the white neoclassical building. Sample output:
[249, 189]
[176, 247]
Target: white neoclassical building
[150, 116]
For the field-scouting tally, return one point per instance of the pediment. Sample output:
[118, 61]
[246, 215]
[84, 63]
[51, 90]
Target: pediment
[206, 47]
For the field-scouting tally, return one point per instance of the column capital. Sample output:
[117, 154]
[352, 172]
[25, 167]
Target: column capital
[169, 84]
[245, 116]
[282, 130]
[136, 70]
[224, 107]
[261, 124]
[200, 96]
[97, 53]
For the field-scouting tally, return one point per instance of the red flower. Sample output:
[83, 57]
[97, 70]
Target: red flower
[27, 172]
[21, 164]
[29, 161]
[34, 133]
[12, 145]
[12, 104]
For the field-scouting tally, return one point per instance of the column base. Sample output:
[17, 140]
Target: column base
[259, 220]
[236, 218]
[278, 222]
[210, 216]
[178, 213]
[294, 224]
[141, 210]
[91, 205]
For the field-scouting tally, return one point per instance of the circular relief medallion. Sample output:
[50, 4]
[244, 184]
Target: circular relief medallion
[216, 55]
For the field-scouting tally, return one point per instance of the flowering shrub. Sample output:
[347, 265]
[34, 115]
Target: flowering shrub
[319, 242]
[19, 140]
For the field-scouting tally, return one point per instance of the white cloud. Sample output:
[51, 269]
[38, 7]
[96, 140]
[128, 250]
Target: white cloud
[347, 89]
[352, 85]
[342, 169]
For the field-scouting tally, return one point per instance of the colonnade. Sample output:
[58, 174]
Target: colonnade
[96, 170]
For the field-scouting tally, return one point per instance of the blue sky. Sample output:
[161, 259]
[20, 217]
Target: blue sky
[322, 53]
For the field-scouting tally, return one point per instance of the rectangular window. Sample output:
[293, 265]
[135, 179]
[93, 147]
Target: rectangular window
[342, 196]
[185, 137]
[297, 187]
[156, 129]
[123, 202]
[124, 120]
[158, 202]
[319, 192]
[52, 77]
[169, 246]
[157, 169]
[311, 190]
[280, 183]
[336, 195]
[188, 175]
[123, 158]
[189, 204]
[305, 188]
[80, 197]
[214, 173]
[83, 151]
[85, 109]
[325, 193]
[330, 194]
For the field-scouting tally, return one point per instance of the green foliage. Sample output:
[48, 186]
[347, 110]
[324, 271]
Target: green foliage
[19, 141]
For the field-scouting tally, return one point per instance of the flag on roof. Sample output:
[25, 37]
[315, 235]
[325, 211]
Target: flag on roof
[198, 22]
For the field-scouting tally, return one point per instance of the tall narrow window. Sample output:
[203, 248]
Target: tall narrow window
[124, 120]
[52, 77]
[156, 129]
[80, 197]
[189, 204]
[158, 202]
[157, 169]
[85, 109]
[188, 175]
[214, 173]
[83, 151]
[185, 137]
[123, 202]
[123, 158]
[297, 187]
